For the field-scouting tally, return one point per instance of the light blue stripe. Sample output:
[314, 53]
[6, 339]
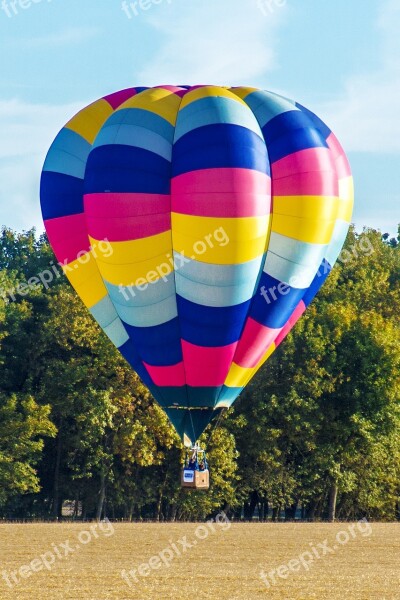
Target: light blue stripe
[149, 316]
[133, 135]
[303, 253]
[293, 274]
[117, 333]
[62, 162]
[211, 110]
[73, 143]
[104, 312]
[214, 295]
[266, 106]
[143, 118]
[227, 396]
[338, 238]
[133, 296]
[218, 275]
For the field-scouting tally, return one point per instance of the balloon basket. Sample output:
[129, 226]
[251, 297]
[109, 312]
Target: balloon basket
[195, 474]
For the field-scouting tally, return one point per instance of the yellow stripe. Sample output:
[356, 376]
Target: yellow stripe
[223, 241]
[345, 211]
[135, 251]
[159, 101]
[89, 121]
[137, 274]
[240, 376]
[86, 280]
[243, 92]
[307, 207]
[210, 90]
[312, 231]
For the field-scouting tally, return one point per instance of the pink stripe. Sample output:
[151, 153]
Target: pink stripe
[104, 205]
[122, 229]
[323, 183]
[342, 164]
[207, 366]
[222, 180]
[254, 342]
[167, 376]
[304, 161]
[222, 204]
[297, 313]
[115, 100]
[68, 236]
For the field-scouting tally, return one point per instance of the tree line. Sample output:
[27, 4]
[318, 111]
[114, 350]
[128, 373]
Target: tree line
[315, 435]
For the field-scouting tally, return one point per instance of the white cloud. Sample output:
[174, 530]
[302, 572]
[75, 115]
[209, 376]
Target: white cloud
[366, 116]
[76, 35]
[225, 42]
[27, 133]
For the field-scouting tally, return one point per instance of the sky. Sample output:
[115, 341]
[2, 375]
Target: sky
[339, 58]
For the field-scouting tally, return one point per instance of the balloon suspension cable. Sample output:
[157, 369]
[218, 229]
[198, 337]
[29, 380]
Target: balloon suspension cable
[194, 441]
[217, 422]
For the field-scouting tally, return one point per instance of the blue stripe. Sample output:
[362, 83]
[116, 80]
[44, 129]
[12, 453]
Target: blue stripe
[125, 169]
[228, 395]
[211, 327]
[318, 282]
[60, 195]
[159, 345]
[320, 125]
[267, 105]
[277, 308]
[219, 146]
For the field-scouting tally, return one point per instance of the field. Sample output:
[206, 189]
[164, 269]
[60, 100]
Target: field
[217, 561]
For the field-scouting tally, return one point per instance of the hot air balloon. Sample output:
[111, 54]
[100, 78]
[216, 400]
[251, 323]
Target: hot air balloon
[223, 211]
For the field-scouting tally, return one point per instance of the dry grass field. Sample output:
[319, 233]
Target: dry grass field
[220, 561]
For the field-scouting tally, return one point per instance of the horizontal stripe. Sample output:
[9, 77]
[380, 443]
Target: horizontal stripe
[60, 195]
[227, 397]
[158, 346]
[133, 135]
[104, 312]
[143, 118]
[220, 241]
[212, 110]
[288, 272]
[213, 295]
[206, 366]
[126, 205]
[142, 295]
[316, 183]
[346, 189]
[148, 316]
[71, 148]
[88, 121]
[267, 105]
[218, 275]
[221, 181]
[219, 146]
[115, 100]
[309, 255]
[158, 101]
[254, 342]
[336, 244]
[295, 141]
[211, 204]
[126, 169]
[122, 229]
[130, 354]
[274, 302]
[137, 251]
[319, 280]
[312, 231]
[307, 207]
[68, 236]
[173, 375]
[211, 326]
[208, 91]
[304, 161]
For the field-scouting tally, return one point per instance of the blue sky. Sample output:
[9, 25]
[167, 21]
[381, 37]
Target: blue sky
[340, 58]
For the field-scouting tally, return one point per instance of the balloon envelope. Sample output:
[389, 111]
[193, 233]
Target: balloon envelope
[196, 224]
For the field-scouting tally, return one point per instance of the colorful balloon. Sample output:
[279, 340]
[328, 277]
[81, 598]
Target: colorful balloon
[196, 224]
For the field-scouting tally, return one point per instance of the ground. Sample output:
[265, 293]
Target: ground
[223, 561]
